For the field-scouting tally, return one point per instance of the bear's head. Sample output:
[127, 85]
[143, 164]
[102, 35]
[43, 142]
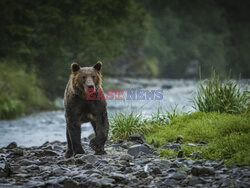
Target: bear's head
[84, 78]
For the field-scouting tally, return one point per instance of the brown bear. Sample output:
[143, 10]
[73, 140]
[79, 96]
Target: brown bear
[78, 109]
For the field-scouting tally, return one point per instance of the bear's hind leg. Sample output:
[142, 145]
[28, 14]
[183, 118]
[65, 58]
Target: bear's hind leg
[97, 143]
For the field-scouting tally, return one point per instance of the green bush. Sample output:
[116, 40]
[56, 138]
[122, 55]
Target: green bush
[19, 91]
[216, 96]
[124, 125]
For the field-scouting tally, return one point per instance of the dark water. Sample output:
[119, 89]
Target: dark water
[49, 126]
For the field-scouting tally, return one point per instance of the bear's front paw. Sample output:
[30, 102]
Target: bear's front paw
[68, 153]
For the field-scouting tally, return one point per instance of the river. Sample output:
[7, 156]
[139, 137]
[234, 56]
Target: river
[38, 128]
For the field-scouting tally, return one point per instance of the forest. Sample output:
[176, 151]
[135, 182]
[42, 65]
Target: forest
[147, 38]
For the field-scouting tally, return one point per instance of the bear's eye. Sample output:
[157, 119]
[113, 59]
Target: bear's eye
[83, 77]
[93, 77]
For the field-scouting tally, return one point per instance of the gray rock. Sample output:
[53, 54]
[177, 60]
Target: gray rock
[169, 170]
[6, 171]
[179, 138]
[194, 180]
[128, 170]
[176, 164]
[12, 145]
[26, 162]
[119, 177]
[137, 138]
[156, 171]
[69, 183]
[105, 181]
[170, 183]
[42, 153]
[88, 166]
[172, 145]
[198, 170]
[16, 152]
[139, 149]
[90, 159]
[126, 157]
[91, 172]
[69, 161]
[141, 174]
[180, 154]
[125, 163]
[195, 155]
[32, 167]
[100, 162]
[179, 175]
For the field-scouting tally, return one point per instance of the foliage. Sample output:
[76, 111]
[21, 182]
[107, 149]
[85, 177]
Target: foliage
[162, 118]
[227, 134]
[124, 125]
[217, 96]
[49, 35]
[145, 38]
[19, 92]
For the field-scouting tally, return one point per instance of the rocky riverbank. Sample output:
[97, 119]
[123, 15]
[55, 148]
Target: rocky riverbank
[127, 164]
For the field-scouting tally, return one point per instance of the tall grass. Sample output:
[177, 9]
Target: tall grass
[163, 117]
[217, 96]
[19, 92]
[124, 125]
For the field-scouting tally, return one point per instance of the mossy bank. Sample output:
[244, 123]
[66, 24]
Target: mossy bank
[214, 136]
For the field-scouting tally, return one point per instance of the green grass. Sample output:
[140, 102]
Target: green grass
[124, 125]
[222, 121]
[19, 92]
[227, 134]
[161, 117]
[217, 96]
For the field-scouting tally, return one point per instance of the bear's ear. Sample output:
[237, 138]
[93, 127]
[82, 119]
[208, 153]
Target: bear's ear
[98, 66]
[75, 67]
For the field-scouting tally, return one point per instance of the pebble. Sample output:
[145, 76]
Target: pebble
[130, 166]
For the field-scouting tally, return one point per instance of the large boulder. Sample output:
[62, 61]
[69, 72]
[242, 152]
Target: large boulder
[139, 149]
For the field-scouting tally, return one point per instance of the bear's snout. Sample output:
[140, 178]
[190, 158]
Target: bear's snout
[90, 86]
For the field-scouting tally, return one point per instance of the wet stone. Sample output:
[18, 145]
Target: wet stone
[37, 168]
[156, 170]
[137, 138]
[119, 177]
[139, 150]
[32, 167]
[141, 174]
[179, 175]
[17, 152]
[126, 157]
[88, 166]
[170, 183]
[12, 145]
[88, 159]
[197, 171]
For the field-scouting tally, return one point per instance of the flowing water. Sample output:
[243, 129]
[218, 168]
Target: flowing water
[38, 128]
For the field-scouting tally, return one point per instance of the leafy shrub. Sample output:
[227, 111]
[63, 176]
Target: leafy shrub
[217, 96]
[19, 91]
